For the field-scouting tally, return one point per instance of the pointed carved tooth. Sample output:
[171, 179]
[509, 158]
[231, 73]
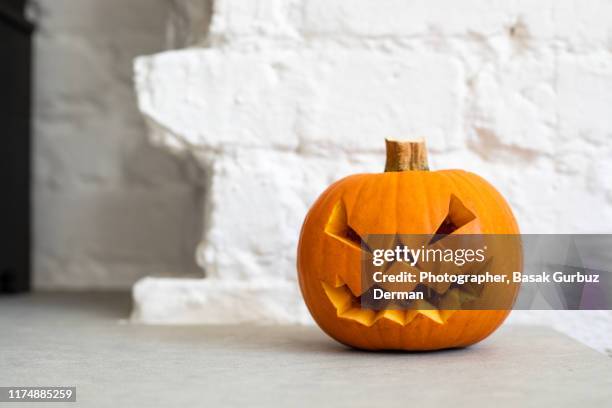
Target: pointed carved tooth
[340, 297]
[450, 303]
[426, 309]
[363, 316]
[396, 316]
[446, 314]
[353, 283]
[433, 315]
[410, 315]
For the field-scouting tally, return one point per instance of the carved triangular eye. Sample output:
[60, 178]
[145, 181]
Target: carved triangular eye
[458, 215]
[337, 226]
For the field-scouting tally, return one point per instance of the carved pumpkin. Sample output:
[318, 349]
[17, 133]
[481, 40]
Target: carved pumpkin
[406, 199]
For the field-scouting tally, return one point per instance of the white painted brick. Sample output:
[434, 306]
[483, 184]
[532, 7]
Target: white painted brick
[405, 18]
[237, 18]
[585, 97]
[577, 25]
[213, 301]
[343, 100]
[249, 102]
[363, 97]
[243, 241]
[583, 26]
[516, 99]
[572, 21]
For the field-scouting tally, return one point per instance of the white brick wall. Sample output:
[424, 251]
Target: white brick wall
[108, 207]
[280, 97]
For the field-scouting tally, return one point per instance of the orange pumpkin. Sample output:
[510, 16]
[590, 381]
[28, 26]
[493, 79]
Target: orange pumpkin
[406, 199]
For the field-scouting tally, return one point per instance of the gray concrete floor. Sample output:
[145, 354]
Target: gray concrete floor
[79, 340]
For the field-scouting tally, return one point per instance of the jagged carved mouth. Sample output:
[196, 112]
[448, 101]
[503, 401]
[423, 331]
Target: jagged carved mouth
[438, 307]
[440, 301]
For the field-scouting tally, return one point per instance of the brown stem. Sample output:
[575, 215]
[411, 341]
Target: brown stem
[405, 156]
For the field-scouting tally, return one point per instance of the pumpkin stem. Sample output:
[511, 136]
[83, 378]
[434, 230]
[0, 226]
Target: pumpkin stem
[405, 156]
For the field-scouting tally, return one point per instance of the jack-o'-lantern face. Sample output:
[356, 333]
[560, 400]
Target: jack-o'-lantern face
[434, 204]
